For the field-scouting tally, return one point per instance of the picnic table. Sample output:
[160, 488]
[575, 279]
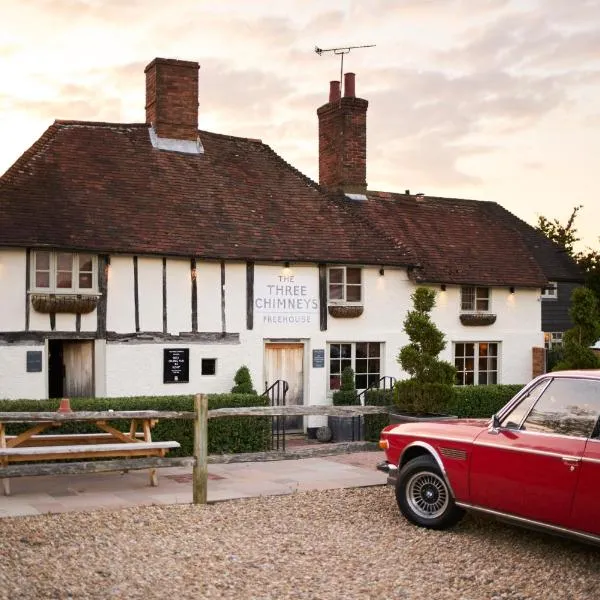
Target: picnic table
[34, 444]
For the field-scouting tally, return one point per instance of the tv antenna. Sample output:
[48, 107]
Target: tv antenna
[341, 52]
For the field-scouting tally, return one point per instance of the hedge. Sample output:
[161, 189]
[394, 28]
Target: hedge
[474, 401]
[225, 434]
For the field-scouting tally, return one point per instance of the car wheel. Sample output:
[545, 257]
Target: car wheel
[423, 495]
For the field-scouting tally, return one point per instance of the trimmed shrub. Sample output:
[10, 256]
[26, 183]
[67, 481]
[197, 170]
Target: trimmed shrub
[423, 398]
[346, 395]
[243, 382]
[225, 434]
[375, 423]
[481, 401]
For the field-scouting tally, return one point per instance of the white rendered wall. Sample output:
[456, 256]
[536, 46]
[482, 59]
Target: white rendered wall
[15, 381]
[120, 310]
[208, 285]
[150, 296]
[137, 369]
[179, 296]
[12, 290]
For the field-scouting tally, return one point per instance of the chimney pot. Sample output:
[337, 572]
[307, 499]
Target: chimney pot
[349, 85]
[334, 91]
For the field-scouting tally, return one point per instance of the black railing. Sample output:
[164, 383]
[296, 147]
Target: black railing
[384, 383]
[276, 394]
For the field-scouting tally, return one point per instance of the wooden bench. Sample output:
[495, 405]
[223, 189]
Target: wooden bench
[135, 448]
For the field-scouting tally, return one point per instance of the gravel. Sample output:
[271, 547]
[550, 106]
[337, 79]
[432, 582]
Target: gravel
[336, 544]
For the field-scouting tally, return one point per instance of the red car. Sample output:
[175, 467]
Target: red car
[536, 462]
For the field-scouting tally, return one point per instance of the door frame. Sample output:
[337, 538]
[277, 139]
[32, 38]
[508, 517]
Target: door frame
[291, 342]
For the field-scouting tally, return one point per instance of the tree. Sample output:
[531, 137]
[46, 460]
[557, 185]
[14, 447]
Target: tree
[243, 382]
[566, 237]
[577, 353]
[419, 358]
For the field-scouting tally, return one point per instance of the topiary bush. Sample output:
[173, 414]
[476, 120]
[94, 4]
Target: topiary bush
[243, 382]
[346, 395]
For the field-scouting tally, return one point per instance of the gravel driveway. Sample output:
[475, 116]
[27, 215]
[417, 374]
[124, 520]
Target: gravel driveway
[337, 544]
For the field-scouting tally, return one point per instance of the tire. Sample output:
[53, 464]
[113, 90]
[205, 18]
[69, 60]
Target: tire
[423, 495]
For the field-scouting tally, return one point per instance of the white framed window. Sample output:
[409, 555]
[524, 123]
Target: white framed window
[550, 292]
[64, 272]
[477, 363]
[363, 357]
[345, 285]
[553, 339]
[474, 299]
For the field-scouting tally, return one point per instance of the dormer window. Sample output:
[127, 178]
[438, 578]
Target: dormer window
[345, 285]
[474, 299]
[64, 272]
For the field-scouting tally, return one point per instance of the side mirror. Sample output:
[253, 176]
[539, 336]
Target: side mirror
[494, 425]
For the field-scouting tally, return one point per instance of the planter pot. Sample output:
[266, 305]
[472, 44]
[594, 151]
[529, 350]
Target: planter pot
[396, 418]
[346, 429]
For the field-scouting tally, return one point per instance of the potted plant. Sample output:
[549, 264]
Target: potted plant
[430, 387]
[345, 429]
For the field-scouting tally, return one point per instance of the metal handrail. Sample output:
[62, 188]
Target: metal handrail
[276, 393]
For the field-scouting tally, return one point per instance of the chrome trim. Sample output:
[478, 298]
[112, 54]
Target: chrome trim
[529, 451]
[556, 528]
[435, 456]
[545, 433]
[445, 438]
[454, 453]
[587, 459]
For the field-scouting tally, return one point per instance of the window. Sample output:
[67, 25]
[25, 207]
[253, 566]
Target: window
[345, 285]
[553, 340]
[64, 272]
[567, 407]
[550, 291]
[363, 357]
[209, 366]
[476, 363]
[475, 299]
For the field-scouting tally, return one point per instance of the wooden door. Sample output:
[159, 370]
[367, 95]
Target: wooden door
[78, 360]
[286, 361]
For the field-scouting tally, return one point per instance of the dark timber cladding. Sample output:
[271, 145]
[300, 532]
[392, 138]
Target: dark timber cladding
[249, 295]
[27, 286]
[323, 296]
[136, 299]
[223, 323]
[103, 267]
[164, 294]
[193, 277]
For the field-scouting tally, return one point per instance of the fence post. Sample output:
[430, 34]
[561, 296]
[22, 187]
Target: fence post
[200, 473]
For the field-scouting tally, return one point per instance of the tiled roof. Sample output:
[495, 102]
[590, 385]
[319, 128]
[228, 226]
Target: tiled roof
[103, 187]
[455, 241]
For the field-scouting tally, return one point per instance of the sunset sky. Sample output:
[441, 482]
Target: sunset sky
[486, 99]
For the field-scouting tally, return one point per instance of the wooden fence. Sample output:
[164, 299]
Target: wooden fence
[200, 458]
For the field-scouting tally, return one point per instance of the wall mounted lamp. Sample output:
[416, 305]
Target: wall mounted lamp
[443, 287]
[286, 265]
[512, 289]
[381, 271]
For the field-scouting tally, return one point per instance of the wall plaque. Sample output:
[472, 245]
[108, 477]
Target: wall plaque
[318, 358]
[176, 367]
[34, 361]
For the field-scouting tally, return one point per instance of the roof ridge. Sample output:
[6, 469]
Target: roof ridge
[69, 122]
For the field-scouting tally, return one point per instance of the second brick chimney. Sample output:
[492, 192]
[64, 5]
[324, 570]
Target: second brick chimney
[172, 98]
[343, 139]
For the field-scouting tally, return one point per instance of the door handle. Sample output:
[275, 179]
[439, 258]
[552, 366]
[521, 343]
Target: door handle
[571, 462]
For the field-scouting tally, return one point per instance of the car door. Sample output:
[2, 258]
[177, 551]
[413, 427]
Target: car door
[530, 465]
[585, 515]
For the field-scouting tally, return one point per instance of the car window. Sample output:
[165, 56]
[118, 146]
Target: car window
[515, 417]
[567, 407]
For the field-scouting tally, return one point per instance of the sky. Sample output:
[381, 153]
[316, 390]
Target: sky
[493, 100]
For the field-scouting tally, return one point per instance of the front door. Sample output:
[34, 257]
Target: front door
[286, 361]
[70, 369]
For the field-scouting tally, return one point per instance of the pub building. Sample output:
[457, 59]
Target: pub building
[156, 259]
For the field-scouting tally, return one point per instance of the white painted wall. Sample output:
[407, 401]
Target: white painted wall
[208, 285]
[137, 369]
[15, 381]
[179, 296]
[150, 297]
[120, 310]
[12, 289]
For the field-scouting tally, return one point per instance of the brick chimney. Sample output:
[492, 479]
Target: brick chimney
[343, 139]
[172, 98]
